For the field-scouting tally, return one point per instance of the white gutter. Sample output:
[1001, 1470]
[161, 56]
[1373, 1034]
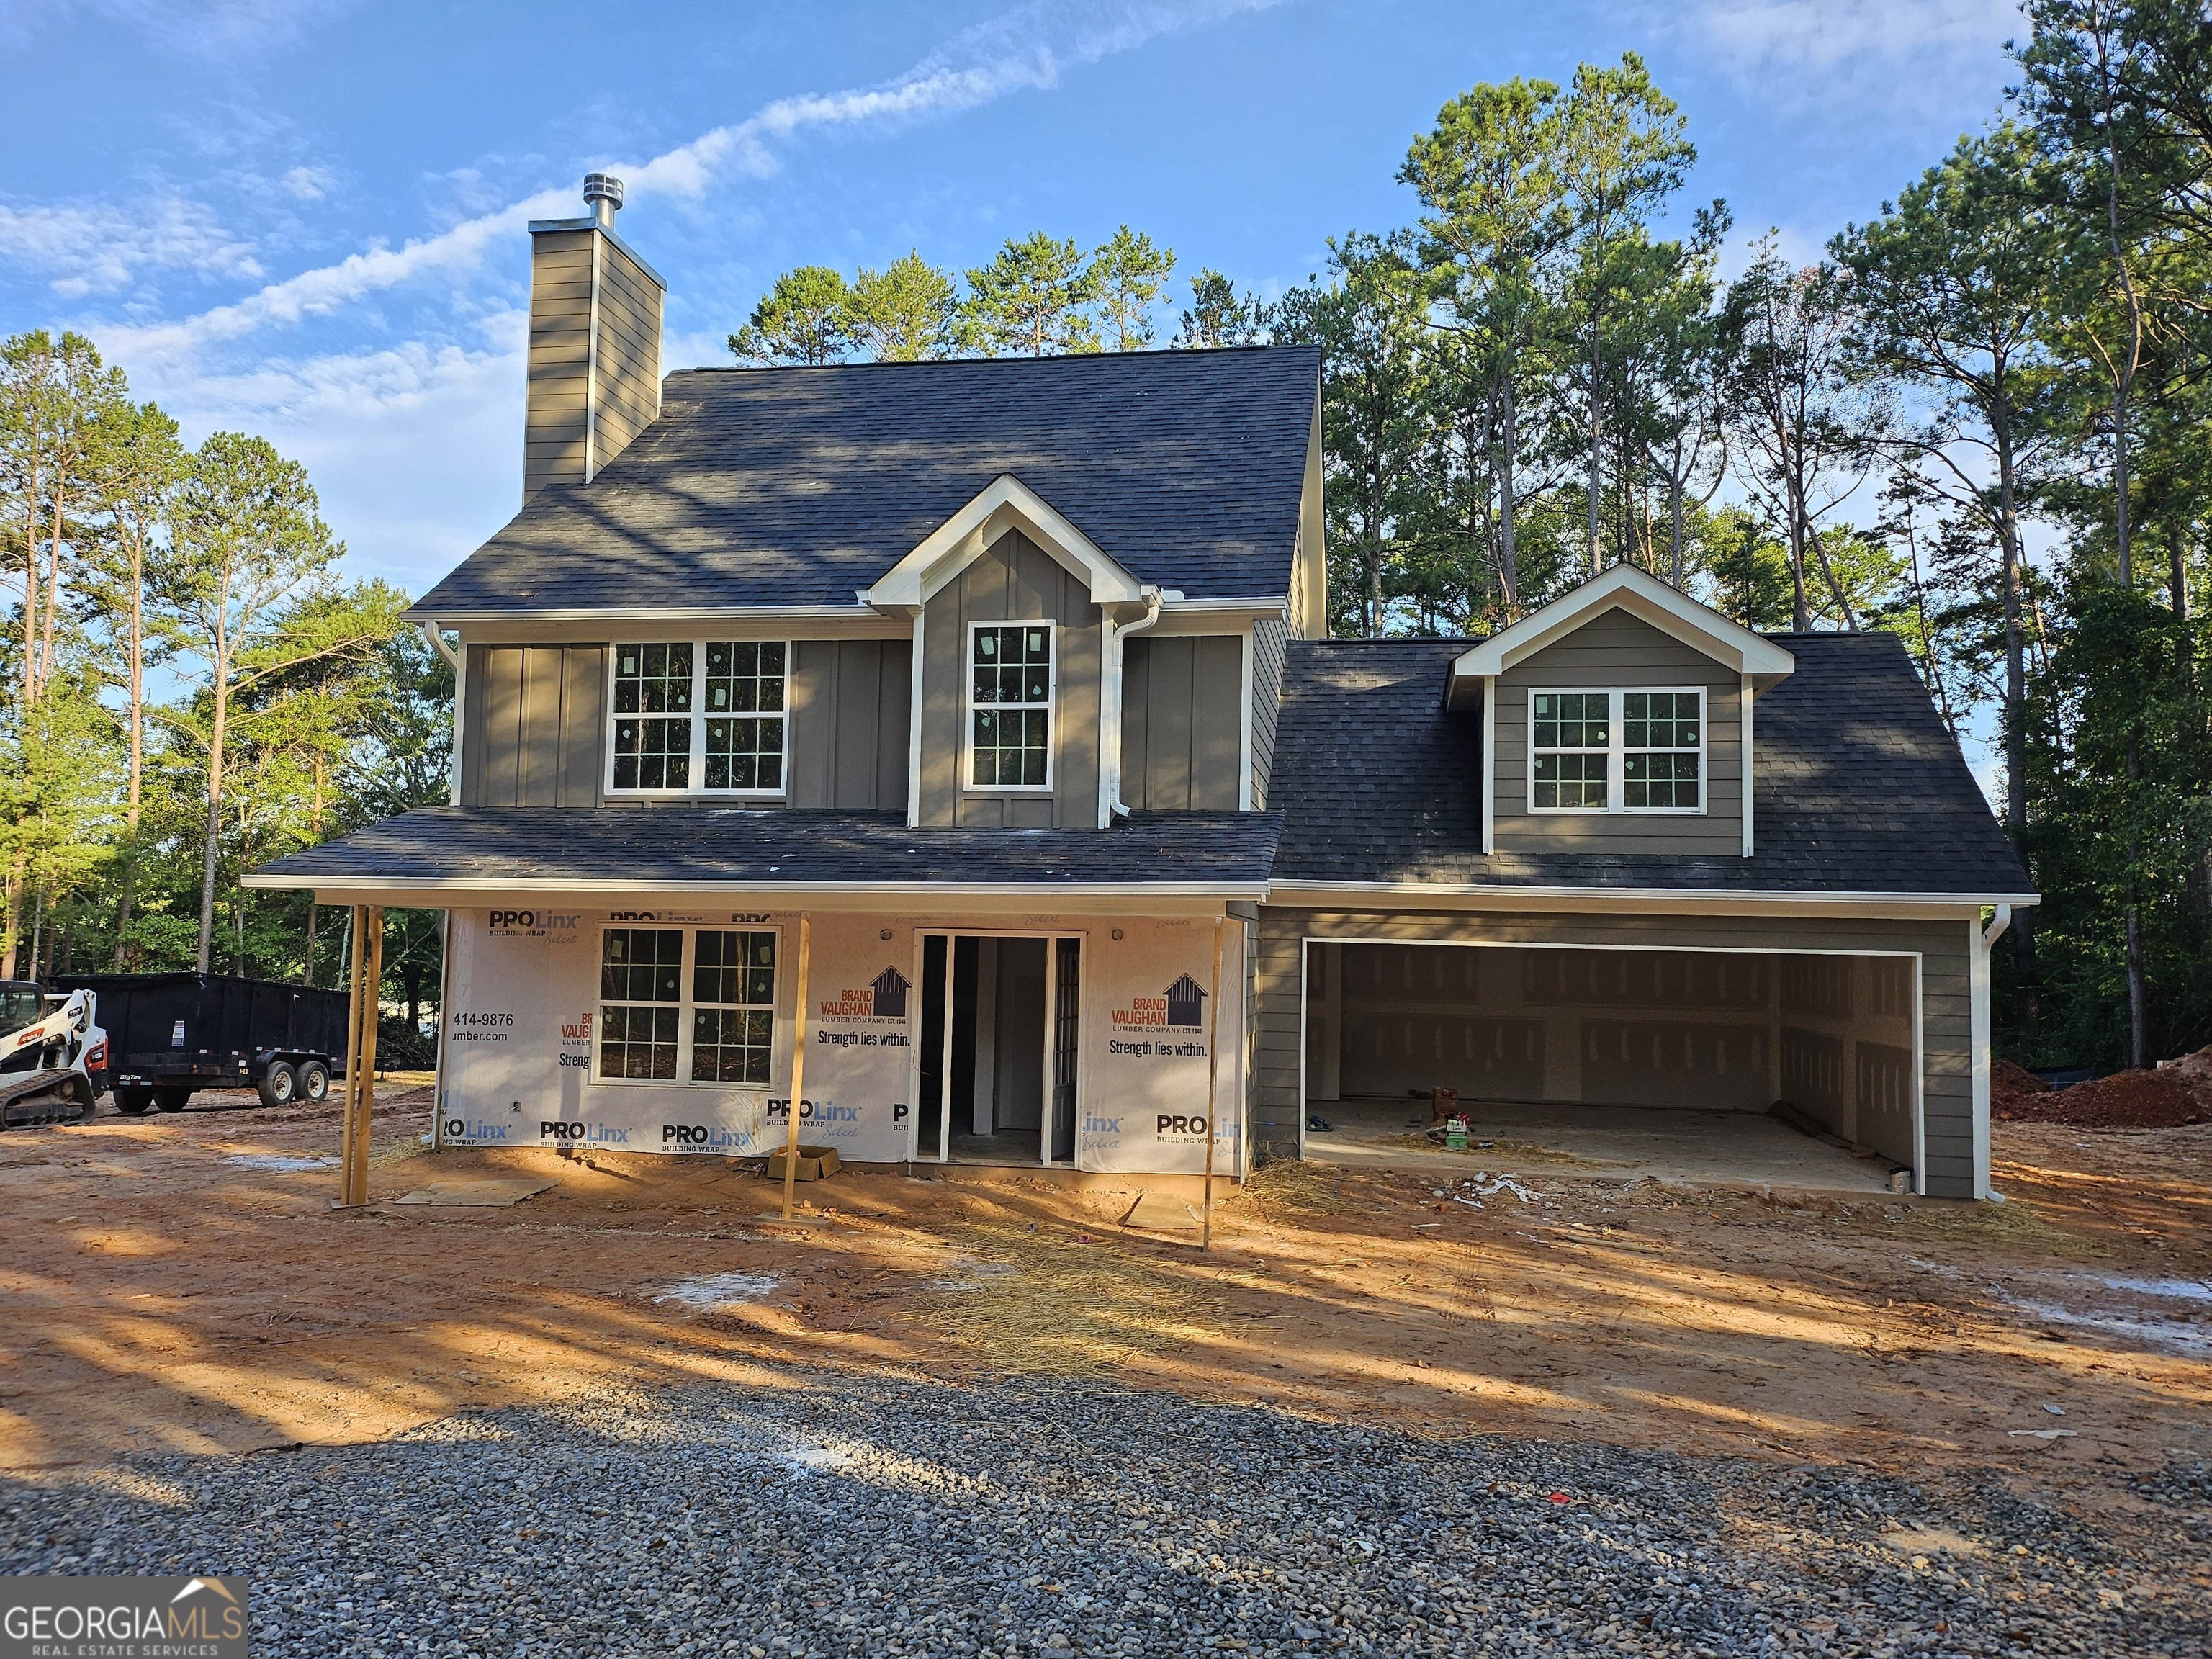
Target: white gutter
[1110, 760]
[1314, 894]
[624, 617]
[1998, 923]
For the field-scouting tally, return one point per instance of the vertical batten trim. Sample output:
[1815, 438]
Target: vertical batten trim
[1244, 660]
[1489, 764]
[1743, 759]
[913, 733]
[1110, 683]
[591, 367]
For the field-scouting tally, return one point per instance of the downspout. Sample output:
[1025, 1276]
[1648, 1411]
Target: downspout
[1998, 923]
[430, 632]
[1114, 807]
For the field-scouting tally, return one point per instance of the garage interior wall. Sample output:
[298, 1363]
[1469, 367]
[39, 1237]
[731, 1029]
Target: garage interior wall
[1834, 1034]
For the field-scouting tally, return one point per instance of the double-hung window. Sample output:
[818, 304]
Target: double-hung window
[1617, 751]
[686, 1005]
[698, 717]
[1010, 701]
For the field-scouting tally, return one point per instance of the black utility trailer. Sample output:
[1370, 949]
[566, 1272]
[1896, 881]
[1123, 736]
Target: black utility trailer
[169, 1034]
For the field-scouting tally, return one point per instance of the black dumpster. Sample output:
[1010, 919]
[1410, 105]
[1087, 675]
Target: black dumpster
[169, 1034]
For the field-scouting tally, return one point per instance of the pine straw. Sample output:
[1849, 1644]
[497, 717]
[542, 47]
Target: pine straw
[1287, 1188]
[1067, 1309]
[2016, 1224]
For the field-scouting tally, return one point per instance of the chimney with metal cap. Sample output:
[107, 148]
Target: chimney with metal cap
[594, 343]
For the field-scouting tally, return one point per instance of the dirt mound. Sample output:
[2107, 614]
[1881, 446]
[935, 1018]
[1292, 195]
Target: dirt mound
[2164, 1099]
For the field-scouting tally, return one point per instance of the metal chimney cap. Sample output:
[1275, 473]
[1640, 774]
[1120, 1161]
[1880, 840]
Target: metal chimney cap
[603, 187]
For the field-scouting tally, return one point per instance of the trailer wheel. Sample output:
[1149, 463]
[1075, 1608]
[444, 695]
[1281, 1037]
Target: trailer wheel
[314, 1080]
[134, 1102]
[171, 1100]
[278, 1085]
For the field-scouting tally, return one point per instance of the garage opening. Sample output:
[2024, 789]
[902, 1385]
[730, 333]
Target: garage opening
[1688, 1050]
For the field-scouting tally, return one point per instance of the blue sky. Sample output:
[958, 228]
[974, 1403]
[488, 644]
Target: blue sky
[305, 219]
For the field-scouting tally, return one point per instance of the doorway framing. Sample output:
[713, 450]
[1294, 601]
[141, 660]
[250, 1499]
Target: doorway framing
[1307, 940]
[1052, 937]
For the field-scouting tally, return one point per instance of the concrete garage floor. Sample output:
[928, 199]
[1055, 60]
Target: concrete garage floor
[1738, 1150]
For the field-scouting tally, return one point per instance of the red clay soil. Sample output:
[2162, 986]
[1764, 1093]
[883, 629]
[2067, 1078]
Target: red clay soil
[2166, 1098]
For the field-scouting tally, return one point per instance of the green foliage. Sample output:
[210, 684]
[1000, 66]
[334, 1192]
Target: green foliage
[1031, 300]
[1217, 317]
[805, 317]
[903, 313]
[1128, 274]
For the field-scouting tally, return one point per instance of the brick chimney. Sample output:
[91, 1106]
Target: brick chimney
[594, 343]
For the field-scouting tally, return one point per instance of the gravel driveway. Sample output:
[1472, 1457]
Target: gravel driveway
[874, 1516]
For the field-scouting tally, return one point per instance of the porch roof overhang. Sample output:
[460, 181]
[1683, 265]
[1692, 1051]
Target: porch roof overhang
[438, 857]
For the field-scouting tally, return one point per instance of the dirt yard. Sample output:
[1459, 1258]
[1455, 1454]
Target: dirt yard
[179, 1283]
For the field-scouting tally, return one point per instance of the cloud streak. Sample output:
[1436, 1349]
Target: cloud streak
[98, 248]
[1022, 50]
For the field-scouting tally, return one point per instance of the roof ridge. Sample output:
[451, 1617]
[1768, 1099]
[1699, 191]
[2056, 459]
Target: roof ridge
[1189, 353]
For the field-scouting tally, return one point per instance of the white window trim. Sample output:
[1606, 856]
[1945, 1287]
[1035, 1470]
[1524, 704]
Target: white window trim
[968, 786]
[685, 1005]
[698, 717]
[1616, 782]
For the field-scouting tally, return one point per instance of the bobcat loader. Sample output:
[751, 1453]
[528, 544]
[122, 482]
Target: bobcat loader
[53, 1058]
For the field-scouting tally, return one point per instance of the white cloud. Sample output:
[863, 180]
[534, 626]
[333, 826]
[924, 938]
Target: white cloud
[1758, 35]
[1022, 49]
[97, 248]
[309, 183]
[218, 30]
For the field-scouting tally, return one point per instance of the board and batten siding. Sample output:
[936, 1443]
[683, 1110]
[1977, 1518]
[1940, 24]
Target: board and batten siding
[1181, 712]
[1945, 950]
[1011, 581]
[1613, 649]
[536, 728]
[1270, 639]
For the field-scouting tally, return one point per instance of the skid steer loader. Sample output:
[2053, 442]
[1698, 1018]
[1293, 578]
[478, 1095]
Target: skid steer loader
[53, 1057]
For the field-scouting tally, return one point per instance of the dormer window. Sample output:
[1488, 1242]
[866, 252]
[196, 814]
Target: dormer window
[1010, 686]
[1617, 751]
[698, 717]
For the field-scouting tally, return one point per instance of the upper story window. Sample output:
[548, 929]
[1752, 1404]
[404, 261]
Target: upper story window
[1010, 704]
[699, 717]
[1617, 751]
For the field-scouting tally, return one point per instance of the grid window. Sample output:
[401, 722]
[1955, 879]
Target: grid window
[700, 716]
[1010, 698]
[1659, 748]
[1571, 740]
[734, 994]
[641, 988]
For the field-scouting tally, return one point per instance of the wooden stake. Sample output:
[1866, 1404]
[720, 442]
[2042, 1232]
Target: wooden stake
[797, 1074]
[356, 951]
[371, 1001]
[1212, 1101]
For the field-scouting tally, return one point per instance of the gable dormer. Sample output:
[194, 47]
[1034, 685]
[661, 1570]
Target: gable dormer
[1017, 665]
[1620, 718]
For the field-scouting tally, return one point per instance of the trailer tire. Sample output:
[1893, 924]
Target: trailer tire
[279, 1085]
[314, 1080]
[134, 1102]
[171, 1100]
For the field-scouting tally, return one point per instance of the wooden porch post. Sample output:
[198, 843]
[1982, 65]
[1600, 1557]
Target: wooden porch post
[367, 980]
[797, 1073]
[1213, 1094]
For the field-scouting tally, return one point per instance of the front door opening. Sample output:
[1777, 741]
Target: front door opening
[998, 1047]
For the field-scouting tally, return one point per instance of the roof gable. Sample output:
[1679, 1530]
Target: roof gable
[1624, 587]
[1005, 504]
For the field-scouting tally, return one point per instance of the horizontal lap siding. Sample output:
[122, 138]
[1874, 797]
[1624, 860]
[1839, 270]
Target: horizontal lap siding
[1945, 999]
[1612, 650]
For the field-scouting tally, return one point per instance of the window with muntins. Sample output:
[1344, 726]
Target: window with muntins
[1617, 751]
[1010, 706]
[699, 717]
[701, 1014]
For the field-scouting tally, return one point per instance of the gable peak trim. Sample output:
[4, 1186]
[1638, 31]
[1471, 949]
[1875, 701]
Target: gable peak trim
[1005, 504]
[1628, 588]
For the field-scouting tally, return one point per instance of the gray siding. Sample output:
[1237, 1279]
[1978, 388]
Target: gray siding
[1615, 649]
[1269, 640]
[1946, 1007]
[849, 726]
[1013, 581]
[1181, 712]
[585, 290]
[536, 727]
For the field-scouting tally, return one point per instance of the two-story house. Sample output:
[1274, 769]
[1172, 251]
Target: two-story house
[1011, 679]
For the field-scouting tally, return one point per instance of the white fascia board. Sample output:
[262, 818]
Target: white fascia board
[1222, 616]
[1644, 597]
[641, 615]
[1093, 898]
[1006, 504]
[1467, 895]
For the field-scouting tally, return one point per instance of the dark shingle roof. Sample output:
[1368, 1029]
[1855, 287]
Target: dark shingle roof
[1858, 787]
[799, 486]
[782, 848]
